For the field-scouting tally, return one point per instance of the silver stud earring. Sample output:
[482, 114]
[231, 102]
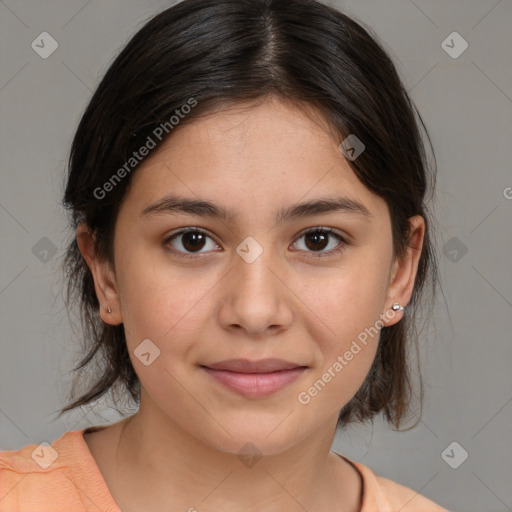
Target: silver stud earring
[397, 307]
[109, 310]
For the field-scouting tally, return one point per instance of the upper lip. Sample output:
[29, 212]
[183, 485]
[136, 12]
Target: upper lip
[248, 366]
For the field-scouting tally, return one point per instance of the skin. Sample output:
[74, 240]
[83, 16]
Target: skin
[180, 449]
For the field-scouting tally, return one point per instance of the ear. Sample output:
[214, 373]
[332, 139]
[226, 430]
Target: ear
[403, 273]
[104, 277]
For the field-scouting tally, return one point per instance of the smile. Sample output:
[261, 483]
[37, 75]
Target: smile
[254, 379]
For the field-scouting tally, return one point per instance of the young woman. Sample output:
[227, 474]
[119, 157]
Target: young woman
[248, 197]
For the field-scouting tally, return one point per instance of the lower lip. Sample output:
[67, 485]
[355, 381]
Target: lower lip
[255, 385]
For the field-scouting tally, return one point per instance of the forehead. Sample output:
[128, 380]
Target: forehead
[273, 153]
[269, 131]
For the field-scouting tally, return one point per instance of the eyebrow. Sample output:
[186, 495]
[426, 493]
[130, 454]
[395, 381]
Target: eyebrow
[204, 208]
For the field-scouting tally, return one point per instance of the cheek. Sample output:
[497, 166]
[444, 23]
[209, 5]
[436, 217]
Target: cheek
[161, 302]
[346, 300]
[344, 311]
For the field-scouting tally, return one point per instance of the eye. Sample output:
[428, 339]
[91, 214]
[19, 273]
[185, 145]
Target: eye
[317, 239]
[189, 241]
[192, 240]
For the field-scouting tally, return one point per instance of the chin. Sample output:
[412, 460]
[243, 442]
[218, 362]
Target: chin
[255, 446]
[255, 438]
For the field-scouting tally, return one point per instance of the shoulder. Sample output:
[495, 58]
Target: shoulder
[384, 495]
[39, 476]
[40, 458]
[406, 499]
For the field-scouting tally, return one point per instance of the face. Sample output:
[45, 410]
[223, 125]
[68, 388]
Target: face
[197, 288]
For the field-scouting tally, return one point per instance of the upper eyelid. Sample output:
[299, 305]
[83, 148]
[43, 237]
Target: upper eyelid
[191, 229]
[328, 230]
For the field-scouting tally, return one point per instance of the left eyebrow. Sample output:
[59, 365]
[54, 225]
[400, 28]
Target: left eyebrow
[203, 208]
[321, 206]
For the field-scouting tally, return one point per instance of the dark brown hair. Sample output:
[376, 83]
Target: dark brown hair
[228, 52]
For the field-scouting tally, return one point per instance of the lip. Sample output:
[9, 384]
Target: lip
[254, 379]
[248, 366]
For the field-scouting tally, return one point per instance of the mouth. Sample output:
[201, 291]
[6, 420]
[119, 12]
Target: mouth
[254, 379]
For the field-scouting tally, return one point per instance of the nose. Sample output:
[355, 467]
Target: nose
[255, 297]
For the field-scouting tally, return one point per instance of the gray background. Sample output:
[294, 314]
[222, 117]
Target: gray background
[466, 351]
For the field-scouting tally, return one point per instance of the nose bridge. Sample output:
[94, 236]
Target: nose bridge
[255, 294]
[253, 262]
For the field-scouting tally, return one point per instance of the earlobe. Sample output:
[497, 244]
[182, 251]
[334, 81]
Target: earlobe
[104, 278]
[404, 273]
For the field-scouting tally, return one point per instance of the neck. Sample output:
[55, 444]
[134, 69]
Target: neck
[160, 464]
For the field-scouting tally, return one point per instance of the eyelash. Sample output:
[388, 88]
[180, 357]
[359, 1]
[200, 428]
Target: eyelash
[316, 230]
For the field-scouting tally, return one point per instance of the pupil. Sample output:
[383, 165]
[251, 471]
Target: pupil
[193, 240]
[318, 237]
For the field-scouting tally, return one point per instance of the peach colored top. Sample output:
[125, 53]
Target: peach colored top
[64, 476]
